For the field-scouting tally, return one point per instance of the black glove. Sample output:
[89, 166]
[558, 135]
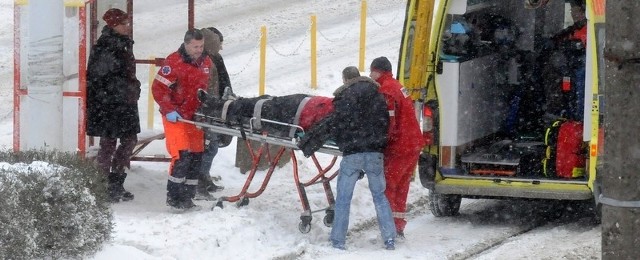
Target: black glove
[315, 137]
[308, 145]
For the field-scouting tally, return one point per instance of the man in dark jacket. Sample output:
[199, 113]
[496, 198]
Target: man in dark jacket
[218, 82]
[359, 126]
[112, 100]
[219, 78]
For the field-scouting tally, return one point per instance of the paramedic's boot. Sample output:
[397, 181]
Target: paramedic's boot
[172, 201]
[177, 198]
[187, 202]
[181, 205]
[179, 194]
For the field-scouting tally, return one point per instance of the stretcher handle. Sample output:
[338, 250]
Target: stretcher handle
[242, 133]
[290, 143]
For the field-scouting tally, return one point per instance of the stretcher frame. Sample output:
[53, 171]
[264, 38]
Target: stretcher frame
[248, 133]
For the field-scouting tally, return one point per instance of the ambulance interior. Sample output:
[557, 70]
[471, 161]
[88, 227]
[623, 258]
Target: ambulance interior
[502, 77]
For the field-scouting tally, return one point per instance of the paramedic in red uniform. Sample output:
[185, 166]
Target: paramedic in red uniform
[405, 140]
[175, 90]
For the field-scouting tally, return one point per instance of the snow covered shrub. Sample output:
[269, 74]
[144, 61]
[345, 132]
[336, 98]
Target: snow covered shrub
[52, 205]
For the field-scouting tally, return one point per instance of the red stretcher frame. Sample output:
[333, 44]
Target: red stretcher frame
[267, 142]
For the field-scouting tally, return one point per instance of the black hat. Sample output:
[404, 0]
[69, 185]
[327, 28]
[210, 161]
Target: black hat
[381, 64]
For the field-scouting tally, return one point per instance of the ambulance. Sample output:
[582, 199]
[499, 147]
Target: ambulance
[508, 96]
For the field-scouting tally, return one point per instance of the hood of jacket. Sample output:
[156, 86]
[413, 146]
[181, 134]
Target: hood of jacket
[354, 81]
[212, 42]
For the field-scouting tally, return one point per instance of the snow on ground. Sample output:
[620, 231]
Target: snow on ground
[267, 228]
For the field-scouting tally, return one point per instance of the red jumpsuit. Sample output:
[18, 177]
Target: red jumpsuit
[403, 148]
[175, 88]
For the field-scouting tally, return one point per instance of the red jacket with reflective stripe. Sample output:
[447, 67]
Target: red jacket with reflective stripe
[404, 131]
[176, 85]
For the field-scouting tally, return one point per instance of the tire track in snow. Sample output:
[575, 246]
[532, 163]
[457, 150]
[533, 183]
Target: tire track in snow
[530, 216]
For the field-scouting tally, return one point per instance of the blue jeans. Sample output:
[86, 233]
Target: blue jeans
[210, 151]
[350, 168]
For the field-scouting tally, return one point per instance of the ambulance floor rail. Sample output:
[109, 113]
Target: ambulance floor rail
[285, 145]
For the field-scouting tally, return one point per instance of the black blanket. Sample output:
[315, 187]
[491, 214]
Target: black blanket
[241, 110]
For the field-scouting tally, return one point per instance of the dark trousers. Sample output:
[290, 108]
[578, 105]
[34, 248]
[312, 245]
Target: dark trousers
[112, 159]
[183, 179]
[210, 151]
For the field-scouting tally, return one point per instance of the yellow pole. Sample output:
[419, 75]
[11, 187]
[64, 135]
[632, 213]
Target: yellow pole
[363, 32]
[150, 102]
[314, 76]
[263, 57]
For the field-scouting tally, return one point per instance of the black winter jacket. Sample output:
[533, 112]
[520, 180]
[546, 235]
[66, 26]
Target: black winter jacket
[358, 124]
[223, 76]
[112, 87]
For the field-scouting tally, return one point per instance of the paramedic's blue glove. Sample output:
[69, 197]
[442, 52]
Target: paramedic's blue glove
[173, 116]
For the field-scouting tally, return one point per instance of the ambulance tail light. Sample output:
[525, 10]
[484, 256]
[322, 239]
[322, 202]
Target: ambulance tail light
[427, 125]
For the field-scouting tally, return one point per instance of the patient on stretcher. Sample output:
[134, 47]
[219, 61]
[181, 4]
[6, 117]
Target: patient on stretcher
[297, 109]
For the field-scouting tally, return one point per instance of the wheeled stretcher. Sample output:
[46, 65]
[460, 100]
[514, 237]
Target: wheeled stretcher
[268, 141]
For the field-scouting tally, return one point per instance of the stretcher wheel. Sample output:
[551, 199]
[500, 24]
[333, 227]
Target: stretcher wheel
[242, 202]
[304, 227]
[328, 219]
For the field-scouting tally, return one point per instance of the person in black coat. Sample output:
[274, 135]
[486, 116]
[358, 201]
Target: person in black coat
[358, 124]
[112, 100]
[224, 81]
[219, 87]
